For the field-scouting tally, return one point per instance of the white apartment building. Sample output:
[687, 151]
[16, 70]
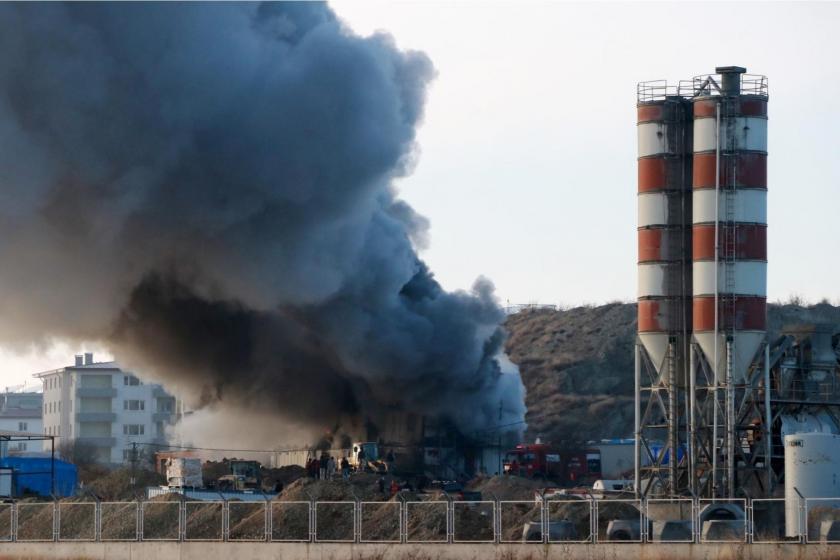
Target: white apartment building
[101, 405]
[21, 412]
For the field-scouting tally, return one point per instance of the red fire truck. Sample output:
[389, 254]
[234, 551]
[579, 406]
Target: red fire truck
[540, 460]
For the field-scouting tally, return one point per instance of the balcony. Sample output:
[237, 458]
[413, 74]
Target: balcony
[97, 441]
[163, 417]
[96, 417]
[96, 392]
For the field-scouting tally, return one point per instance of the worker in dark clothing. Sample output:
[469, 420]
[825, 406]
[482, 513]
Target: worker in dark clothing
[345, 468]
[381, 483]
[389, 460]
[322, 466]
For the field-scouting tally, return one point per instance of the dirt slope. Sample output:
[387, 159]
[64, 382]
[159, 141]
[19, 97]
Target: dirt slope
[577, 365]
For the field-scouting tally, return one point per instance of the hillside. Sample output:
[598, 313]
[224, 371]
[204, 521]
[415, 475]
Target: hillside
[577, 365]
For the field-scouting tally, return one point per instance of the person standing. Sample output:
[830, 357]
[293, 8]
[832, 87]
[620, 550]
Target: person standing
[362, 458]
[345, 468]
[389, 460]
[322, 472]
[330, 467]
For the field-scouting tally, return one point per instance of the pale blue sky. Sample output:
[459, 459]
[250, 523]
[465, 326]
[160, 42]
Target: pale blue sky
[528, 164]
[527, 168]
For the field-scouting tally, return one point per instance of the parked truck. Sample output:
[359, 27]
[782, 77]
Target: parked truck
[540, 460]
[536, 460]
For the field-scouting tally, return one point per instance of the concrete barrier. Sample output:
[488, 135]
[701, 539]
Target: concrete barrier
[312, 551]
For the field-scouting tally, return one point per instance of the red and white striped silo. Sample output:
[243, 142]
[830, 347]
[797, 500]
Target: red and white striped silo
[664, 234]
[702, 284]
[729, 239]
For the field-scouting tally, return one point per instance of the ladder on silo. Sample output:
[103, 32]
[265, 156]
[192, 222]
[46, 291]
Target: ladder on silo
[730, 233]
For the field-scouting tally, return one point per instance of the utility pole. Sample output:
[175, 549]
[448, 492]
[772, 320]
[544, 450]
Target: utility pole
[134, 465]
[52, 465]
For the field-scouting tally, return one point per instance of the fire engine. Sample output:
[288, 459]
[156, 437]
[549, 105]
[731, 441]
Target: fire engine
[540, 460]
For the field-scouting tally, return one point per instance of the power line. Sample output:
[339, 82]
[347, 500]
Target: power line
[219, 449]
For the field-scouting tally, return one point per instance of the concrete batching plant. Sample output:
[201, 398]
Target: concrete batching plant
[714, 397]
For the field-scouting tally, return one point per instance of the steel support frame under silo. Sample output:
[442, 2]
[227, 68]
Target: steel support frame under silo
[661, 423]
[729, 438]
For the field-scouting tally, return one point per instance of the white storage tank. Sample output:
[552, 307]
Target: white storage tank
[812, 466]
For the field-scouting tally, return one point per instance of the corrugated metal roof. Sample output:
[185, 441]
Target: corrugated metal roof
[11, 434]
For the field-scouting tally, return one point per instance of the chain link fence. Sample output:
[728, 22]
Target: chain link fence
[562, 520]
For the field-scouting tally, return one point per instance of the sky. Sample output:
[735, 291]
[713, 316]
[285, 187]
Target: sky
[527, 155]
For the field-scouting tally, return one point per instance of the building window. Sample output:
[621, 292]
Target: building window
[22, 426]
[134, 404]
[131, 380]
[134, 429]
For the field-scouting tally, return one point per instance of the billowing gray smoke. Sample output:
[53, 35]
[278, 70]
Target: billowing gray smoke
[207, 188]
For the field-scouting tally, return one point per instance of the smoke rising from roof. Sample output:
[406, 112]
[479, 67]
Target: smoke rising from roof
[208, 189]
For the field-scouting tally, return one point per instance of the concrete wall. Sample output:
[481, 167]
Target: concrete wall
[295, 551]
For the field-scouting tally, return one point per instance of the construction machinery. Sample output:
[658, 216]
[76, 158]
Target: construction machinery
[244, 475]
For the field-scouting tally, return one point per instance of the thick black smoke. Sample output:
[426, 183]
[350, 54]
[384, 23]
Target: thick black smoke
[208, 189]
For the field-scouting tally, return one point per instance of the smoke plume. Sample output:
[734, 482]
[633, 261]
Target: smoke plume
[208, 189]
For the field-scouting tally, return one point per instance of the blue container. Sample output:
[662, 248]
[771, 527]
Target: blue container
[32, 475]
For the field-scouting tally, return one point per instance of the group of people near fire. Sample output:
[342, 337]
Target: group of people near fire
[324, 468]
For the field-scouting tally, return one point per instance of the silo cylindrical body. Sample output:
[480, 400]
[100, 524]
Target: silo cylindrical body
[812, 470]
[664, 222]
[729, 237]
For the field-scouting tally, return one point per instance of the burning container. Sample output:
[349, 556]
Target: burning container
[184, 471]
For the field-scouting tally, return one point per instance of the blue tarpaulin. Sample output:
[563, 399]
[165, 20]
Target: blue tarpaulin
[32, 475]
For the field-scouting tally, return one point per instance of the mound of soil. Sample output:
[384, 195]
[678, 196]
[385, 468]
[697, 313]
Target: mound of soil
[115, 485]
[506, 487]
